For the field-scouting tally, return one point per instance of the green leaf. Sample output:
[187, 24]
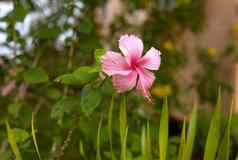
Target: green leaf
[12, 141]
[86, 26]
[90, 99]
[35, 75]
[68, 79]
[80, 76]
[52, 93]
[46, 32]
[224, 150]
[6, 155]
[98, 155]
[14, 108]
[191, 134]
[65, 106]
[163, 131]
[33, 133]
[86, 74]
[98, 54]
[17, 14]
[20, 135]
[214, 132]
[182, 148]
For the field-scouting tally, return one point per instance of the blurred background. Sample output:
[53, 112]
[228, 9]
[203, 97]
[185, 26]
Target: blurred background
[198, 40]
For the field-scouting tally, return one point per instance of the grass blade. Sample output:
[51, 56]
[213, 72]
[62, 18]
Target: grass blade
[191, 134]
[98, 156]
[124, 148]
[110, 114]
[146, 143]
[224, 150]
[214, 132]
[182, 148]
[163, 131]
[143, 143]
[12, 142]
[81, 149]
[33, 132]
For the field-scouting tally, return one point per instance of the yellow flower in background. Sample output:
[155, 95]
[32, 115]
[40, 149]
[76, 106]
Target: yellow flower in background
[212, 52]
[168, 45]
[183, 2]
[162, 90]
[235, 27]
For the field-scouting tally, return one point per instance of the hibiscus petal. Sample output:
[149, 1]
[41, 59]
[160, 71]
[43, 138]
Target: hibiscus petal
[151, 59]
[146, 79]
[113, 63]
[131, 46]
[124, 82]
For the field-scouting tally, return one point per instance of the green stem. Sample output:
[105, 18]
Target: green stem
[69, 65]
[123, 126]
[110, 114]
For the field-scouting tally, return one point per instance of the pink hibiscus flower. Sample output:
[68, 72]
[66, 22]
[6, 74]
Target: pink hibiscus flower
[131, 69]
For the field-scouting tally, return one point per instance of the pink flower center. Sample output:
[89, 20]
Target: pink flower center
[134, 64]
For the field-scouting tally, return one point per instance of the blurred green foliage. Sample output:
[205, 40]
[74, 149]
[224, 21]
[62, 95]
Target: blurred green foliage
[56, 70]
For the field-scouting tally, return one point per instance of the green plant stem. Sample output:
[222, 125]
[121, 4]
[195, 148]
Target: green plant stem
[69, 65]
[123, 126]
[98, 156]
[33, 131]
[65, 144]
[110, 114]
[68, 139]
